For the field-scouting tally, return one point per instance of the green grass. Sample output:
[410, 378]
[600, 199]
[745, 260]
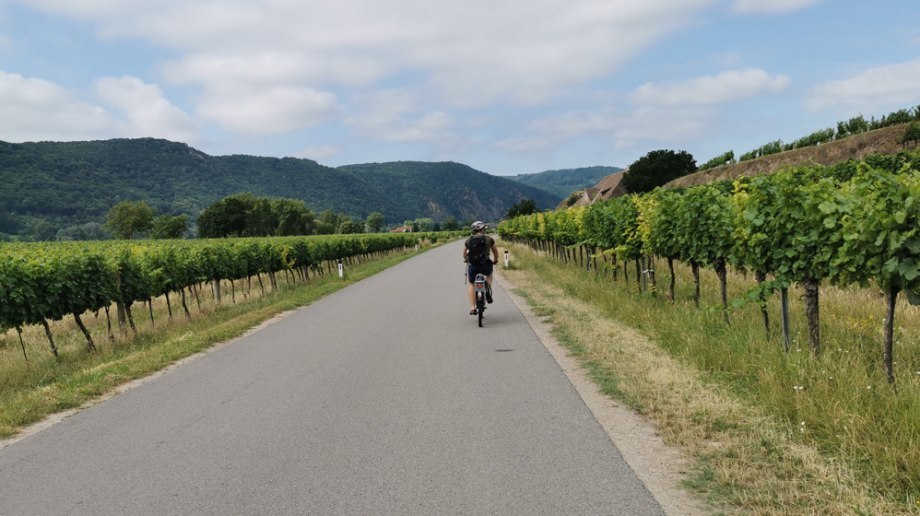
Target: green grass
[30, 392]
[838, 403]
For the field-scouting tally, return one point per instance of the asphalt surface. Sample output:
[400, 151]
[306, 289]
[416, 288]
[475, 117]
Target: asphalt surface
[383, 398]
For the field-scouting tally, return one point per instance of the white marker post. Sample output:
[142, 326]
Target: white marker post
[341, 269]
[506, 257]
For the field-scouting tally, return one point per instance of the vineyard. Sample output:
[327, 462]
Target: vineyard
[848, 236]
[44, 282]
[856, 224]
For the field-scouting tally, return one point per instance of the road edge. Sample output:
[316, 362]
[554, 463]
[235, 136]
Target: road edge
[57, 417]
[659, 466]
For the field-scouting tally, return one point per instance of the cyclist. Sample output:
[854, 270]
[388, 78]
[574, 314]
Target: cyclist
[476, 253]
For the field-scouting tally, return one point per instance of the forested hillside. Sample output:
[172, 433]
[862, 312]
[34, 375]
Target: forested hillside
[442, 189]
[50, 186]
[563, 182]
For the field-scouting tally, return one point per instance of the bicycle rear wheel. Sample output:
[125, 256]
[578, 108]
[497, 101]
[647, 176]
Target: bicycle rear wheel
[480, 306]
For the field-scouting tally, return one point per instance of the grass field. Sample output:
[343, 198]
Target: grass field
[31, 390]
[771, 432]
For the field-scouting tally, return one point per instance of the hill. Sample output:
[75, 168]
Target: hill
[563, 182]
[438, 190]
[879, 141]
[73, 183]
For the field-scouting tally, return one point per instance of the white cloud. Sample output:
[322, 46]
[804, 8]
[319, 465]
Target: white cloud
[575, 123]
[147, 111]
[396, 115]
[879, 88]
[656, 126]
[524, 145]
[35, 109]
[548, 132]
[728, 59]
[270, 110]
[726, 87]
[427, 127]
[472, 52]
[645, 126]
[270, 66]
[771, 6]
[318, 153]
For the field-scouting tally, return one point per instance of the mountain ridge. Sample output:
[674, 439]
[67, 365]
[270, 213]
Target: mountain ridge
[71, 183]
[562, 182]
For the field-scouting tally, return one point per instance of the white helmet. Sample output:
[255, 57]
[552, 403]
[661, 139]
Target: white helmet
[478, 226]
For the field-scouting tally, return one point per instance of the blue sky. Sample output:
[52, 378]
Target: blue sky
[507, 87]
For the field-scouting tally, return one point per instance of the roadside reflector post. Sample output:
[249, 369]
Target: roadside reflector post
[506, 257]
[416, 247]
[341, 269]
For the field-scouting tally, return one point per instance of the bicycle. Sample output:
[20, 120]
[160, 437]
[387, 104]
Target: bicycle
[482, 290]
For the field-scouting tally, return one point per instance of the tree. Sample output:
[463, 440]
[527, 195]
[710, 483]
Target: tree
[375, 222]
[9, 223]
[522, 207]
[261, 220]
[657, 168]
[40, 230]
[424, 224]
[324, 228]
[350, 226]
[129, 217]
[294, 218]
[226, 217]
[911, 135]
[169, 226]
[330, 217]
[88, 231]
[247, 215]
[451, 224]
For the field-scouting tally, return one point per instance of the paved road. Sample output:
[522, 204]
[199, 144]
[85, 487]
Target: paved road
[383, 398]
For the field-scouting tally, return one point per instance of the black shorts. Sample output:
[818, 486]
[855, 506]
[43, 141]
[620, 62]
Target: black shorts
[478, 268]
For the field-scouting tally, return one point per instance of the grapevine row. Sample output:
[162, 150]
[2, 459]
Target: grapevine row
[798, 226]
[48, 281]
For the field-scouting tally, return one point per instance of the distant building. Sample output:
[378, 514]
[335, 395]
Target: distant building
[606, 189]
[610, 187]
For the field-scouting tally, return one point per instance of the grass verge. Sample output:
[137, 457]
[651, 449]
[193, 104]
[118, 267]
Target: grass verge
[771, 432]
[31, 391]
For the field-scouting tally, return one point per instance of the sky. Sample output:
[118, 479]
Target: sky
[504, 86]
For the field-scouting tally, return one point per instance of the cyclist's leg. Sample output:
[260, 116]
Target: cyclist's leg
[470, 277]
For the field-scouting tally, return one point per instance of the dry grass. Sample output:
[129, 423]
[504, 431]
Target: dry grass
[880, 141]
[737, 403]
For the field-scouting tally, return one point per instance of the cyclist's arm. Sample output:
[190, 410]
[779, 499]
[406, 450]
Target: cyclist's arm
[465, 251]
[494, 252]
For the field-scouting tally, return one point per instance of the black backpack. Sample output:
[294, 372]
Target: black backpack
[478, 249]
